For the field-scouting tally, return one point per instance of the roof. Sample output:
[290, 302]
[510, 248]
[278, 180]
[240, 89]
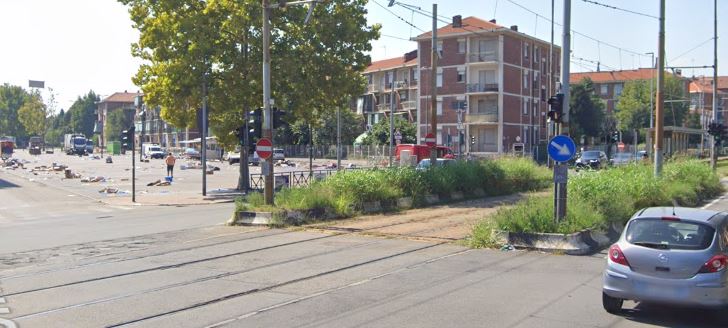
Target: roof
[470, 24]
[391, 63]
[122, 97]
[705, 84]
[693, 214]
[614, 76]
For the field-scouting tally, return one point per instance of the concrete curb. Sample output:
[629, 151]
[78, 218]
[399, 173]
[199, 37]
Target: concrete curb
[250, 218]
[579, 243]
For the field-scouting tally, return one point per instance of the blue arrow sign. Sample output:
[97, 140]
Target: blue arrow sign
[561, 148]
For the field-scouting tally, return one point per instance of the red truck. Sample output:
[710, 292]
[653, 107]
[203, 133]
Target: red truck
[416, 153]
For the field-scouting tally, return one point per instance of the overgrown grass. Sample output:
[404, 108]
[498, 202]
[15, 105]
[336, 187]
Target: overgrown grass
[600, 197]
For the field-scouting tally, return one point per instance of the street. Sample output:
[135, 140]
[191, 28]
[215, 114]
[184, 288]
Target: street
[69, 260]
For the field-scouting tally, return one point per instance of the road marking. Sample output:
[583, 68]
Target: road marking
[715, 201]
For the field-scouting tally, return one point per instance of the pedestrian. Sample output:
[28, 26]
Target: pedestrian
[170, 164]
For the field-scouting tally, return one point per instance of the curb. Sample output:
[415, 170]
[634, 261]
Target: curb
[580, 243]
[250, 218]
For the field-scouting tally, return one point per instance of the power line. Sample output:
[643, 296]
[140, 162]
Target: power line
[691, 49]
[393, 13]
[395, 37]
[620, 9]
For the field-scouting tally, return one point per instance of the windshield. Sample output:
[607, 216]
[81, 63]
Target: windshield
[669, 234]
[79, 141]
[155, 149]
[624, 155]
[590, 155]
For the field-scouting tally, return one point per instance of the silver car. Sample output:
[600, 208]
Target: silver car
[669, 255]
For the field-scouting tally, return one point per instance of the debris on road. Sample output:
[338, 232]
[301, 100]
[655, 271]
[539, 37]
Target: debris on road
[109, 190]
[70, 175]
[158, 183]
[109, 160]
[94, 179]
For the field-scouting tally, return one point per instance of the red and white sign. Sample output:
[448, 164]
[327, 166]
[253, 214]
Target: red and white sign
[264, 148]
[620, 146]
[430, 140]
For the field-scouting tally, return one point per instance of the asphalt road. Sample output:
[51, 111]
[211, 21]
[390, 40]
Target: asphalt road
[68, 262]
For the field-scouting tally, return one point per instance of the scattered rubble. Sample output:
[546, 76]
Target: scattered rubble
[94, 179]
[158, 183]
[109, 190]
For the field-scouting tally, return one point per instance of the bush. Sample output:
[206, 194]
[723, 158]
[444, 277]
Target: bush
[363, 186]
[536, 214]
[522, 174]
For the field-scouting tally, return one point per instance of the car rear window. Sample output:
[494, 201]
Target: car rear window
[669, 234]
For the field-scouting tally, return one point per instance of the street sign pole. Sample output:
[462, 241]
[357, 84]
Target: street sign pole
[561, 149]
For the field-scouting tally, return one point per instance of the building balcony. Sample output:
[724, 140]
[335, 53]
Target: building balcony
[482, 87]
[373, 88]
[408, 105]
[383, 108]
[483, 57]
[406, 84]
[484, 148]
[489, 117]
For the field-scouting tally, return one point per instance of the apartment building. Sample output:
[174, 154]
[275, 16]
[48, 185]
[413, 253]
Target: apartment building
[608, 85]
[119, 101]
[701, 98]
[492, 87]
[394, 77]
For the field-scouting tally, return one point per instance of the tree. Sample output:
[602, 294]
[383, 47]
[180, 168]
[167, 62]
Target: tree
[82, 111]
[11, 99]
[33, 115]
[586, 110]
[379, 135]
[116, 122]
[633, 109]
[186, 43]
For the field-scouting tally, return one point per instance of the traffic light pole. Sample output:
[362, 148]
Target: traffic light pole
[714, 148]
[267, 117]
[433, 84]
[244, 182]
[133, 170]
[659, 119]
[560, 188]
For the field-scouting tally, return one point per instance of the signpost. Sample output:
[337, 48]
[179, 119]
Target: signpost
[430, 140]
[264, 148]
[561, 149]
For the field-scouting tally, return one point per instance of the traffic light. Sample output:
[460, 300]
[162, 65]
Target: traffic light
[615, 136]
[556, 107]
[472, 140]
[278, 115]
[127, 138]
[718, 131]
[240, 134]
[255, 123]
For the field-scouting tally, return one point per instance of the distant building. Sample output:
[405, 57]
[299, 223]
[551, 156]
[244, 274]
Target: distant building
[701, 98]
[608, 85]
[375, 103]
[492, 79]
[123, 101]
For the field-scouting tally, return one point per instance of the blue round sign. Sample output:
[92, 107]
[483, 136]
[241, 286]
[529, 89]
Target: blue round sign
[561, 148]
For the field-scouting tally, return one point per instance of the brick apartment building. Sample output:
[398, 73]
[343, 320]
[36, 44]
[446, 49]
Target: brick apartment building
[496, 77]
[608, 85]
[375, 103]
[701, 98]
[123, 101]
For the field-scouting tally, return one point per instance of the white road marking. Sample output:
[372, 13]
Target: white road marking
[714, 201]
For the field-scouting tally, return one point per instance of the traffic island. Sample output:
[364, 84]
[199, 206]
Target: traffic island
[579, 243]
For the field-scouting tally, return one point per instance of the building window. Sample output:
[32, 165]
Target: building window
[525, 135]
[535, 109]
[439, 78]
[416, 75]
[537, 54]
[525, 106]
[617, 90]
[439, 48]
[603, 89]
[525, 79]
[525, 50]
[439, 107]
[461, 74]
[461, 46]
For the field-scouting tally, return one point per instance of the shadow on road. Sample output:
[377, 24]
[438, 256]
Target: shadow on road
[677, 317]
[6, 184]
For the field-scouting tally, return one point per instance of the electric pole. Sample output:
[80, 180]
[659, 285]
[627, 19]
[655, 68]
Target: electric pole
[565, 68]
[391, 122]
[716, 117]
[659, 120]
[433, 99]
[267, 165]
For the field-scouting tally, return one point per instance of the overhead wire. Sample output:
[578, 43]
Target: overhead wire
[400, 17]
[620, 9]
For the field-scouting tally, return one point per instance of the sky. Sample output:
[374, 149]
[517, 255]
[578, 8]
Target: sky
[81, 45]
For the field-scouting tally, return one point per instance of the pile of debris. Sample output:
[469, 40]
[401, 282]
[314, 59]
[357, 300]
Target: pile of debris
[13, 163]
[286, 163]
[158, 183]
[94, 179]
[109, 190]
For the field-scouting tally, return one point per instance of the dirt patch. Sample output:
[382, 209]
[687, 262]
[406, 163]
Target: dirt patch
[451, 222]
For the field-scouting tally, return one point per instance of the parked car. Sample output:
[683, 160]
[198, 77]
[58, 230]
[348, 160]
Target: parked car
[622, 159]
[670, 255]
[593, 159]
[278, 154]
[425, 163]
[191, 153]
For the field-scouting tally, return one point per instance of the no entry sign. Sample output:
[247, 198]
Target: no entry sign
[264, 148]
[430, 140]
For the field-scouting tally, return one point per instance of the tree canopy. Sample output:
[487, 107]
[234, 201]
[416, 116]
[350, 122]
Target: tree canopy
[12, 97]
[379, 135]
[633, 109]
[586, 110]
[82, 112]
[34, 115]
[315, 68]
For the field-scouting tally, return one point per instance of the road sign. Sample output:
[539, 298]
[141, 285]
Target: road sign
[397, 136]
[561, 173]
[620, 146]
[561, 148]
[430, 140]
[264, 148]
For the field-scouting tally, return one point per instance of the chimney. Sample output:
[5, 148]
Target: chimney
[514, 28]
[457, 21]
[492, 20]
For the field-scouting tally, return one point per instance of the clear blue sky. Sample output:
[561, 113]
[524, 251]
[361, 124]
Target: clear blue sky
[79, 45]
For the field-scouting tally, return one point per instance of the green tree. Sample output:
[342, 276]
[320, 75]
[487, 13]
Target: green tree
[116, 122]
[379, 135]
[11, 99]
[586, 110]
[33, 115]
[633, 109]
[186, 43]
[82, 114]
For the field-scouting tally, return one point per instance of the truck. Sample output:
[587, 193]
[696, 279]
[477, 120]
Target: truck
[7, 144]
[74, 144]
[412, 154]
[153, 150]
[35, 144]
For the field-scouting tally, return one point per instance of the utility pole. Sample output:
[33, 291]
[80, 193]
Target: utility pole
[659, 121]
[433, 99]
[203, 135]
[338, 137]
[391, 123]
[267, 165]
[716, 118]
[552, 125]
[565, 68]
[244, 182]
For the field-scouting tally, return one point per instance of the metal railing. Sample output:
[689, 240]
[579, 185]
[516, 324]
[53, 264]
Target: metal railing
[294, 178]
[482, 87]
[373, 88]
[487, 117]
[483, 56]
[409, 104]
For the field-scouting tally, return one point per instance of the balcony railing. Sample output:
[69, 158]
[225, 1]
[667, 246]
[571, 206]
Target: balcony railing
[373, 88]
[489, 117]
[485, 87]
[383, 108]
[409, 104]
[483, 56]
[484, 148]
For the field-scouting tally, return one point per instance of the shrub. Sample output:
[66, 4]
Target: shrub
[363, 186]
[536, 214]
[522, 174]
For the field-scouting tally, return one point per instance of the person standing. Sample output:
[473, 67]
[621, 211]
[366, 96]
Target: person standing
[170, 160]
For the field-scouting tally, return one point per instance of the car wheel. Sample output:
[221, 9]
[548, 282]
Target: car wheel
[612, 305]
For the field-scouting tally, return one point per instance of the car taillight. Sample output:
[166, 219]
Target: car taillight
[715, 264]
[616, 255]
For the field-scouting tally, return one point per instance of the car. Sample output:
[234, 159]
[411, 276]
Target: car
[425, 163]
[622, 159]
[191, 153]
[592, 159]
[278, 154]
[234, 157]
[669, 255]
